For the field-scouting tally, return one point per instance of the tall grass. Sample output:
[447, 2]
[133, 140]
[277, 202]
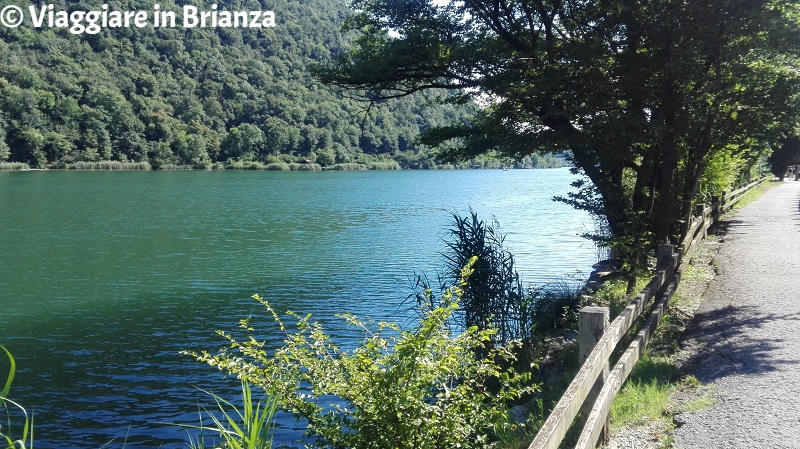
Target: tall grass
[248, 165]
[305, 167]
[348, 166]
[274, 164]
[494, 294]
[388, 165]
[644, 396]
[278, 166]
[14, 166]
[247, 428]
[25, 440]
[175, 167]
[553, 308]
[109, 165]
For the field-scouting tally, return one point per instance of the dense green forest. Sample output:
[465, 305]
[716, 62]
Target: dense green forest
[199, 96]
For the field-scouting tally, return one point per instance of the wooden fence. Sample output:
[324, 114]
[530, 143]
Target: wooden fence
[595, 385]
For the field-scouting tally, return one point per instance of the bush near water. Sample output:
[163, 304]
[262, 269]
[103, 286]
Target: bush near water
[466, 374]
[422, 388]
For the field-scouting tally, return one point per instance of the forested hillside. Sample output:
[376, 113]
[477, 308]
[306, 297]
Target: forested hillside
[195, 96]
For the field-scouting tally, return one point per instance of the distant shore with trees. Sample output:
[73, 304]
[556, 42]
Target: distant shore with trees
[319, 162]
[201, 98]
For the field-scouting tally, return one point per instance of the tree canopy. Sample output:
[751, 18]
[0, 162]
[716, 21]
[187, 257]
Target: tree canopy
[645, 95]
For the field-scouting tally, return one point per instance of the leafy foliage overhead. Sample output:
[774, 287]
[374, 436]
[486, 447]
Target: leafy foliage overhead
[643, 94]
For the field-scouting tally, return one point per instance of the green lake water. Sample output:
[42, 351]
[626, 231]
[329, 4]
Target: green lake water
[106, 276]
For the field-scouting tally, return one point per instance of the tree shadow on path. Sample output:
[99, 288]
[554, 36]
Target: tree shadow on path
[738, 340]
[724, 228]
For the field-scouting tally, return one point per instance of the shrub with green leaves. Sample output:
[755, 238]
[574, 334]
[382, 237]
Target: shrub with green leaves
[420, 388]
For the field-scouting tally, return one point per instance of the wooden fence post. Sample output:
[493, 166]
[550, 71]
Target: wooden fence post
[687, 225]
[715, 209]
[664, 256]
[592, 323]
[700, 210]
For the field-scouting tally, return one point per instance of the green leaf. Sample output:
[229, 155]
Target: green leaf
[10, 379]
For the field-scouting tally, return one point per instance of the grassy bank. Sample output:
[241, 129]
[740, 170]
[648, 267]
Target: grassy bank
[656, 391]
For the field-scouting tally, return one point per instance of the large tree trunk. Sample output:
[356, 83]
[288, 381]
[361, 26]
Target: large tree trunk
[694, 170]
[664, 210]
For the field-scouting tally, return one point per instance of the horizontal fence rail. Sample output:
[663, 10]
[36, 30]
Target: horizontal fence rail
[595, 386]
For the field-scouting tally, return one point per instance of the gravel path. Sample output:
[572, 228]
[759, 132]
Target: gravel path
[747, 332]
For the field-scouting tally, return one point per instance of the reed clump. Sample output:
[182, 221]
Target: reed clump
[248, 165]
[494, 295]
[348, 166]
[278, 166]
[305, 167]
[12, 166]
[110, 165]
[176, 167]
[388, 165]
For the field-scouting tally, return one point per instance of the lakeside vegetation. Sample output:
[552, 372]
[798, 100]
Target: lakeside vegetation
[11, 166]
[287, 163]
[108, 165]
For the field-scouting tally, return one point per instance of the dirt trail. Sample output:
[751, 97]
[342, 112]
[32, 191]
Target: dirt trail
[748, 332]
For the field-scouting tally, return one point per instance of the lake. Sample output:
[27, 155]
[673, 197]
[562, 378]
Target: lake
[106, 276]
